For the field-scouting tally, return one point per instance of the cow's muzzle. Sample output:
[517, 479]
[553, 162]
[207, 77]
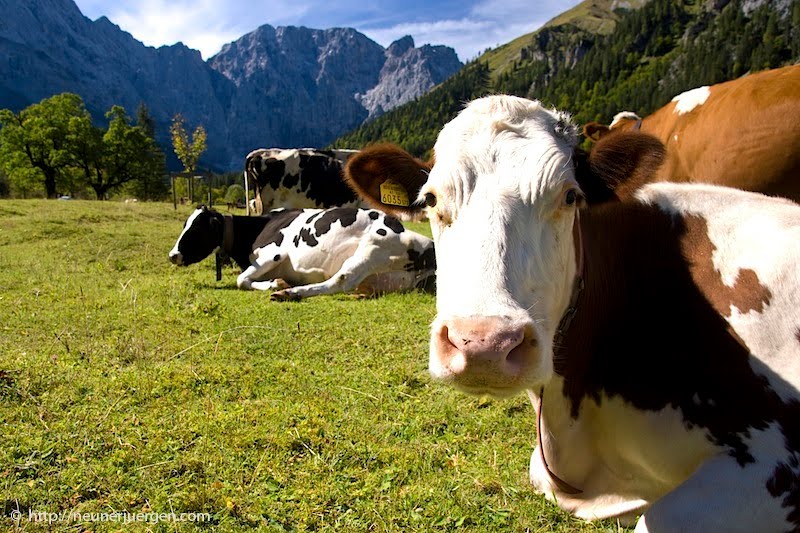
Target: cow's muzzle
[176, 258]
[486, 355]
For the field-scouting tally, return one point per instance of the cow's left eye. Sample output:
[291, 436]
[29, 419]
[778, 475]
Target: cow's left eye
[430, 199]
[572, 197]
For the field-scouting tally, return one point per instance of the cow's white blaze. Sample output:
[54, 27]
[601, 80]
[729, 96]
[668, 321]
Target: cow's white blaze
[503, 234]
[689, 100]
[623, 115]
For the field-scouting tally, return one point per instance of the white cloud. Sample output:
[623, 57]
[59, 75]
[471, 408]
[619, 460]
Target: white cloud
[458, 34]
[204, 25]
[501, 21]
[508, 10]
[488, 25]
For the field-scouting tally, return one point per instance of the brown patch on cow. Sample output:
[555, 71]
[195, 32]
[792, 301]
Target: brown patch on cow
[647, 331]
[747, 293]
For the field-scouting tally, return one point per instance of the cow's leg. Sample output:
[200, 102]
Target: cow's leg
[368, 259]
[721, 496]
[269, 285]
[252, 277]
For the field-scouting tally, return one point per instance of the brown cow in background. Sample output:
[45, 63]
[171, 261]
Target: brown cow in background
[743, 133]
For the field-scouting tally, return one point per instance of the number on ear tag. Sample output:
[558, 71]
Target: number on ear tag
[392, 193]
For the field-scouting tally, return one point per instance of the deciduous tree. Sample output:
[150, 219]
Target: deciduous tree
[187, 149]
[35, 143]
[129, 154]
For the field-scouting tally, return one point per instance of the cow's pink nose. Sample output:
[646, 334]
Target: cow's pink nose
[486, 353]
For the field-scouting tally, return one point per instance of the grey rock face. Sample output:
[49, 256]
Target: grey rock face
[295, 86]
[408, 73]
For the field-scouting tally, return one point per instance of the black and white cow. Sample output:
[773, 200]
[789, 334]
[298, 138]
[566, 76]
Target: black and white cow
[657, 334]
[298, 178]
[309, 252]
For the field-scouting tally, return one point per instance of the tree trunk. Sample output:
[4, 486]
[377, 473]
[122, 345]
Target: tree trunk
[50, 183]
[100, 191]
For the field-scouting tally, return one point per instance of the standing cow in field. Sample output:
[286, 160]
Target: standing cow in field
[298, 178]
[309, 252]
[743, 133]
[657, 337]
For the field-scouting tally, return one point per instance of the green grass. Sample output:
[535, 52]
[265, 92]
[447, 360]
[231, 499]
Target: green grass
[128, 384]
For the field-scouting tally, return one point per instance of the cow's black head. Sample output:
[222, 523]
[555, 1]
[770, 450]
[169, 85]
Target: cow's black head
[201, 235]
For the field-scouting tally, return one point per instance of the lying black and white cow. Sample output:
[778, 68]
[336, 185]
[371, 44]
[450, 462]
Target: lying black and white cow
[308, 252]
[298, 178]
[657, 334]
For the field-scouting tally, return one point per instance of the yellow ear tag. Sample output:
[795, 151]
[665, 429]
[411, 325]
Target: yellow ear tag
[392, 193]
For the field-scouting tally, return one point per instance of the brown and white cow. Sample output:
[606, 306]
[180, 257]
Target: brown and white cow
[743, 133]
[297, 178]
[658, 338]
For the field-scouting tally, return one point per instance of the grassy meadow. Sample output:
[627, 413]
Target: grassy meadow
[130, 385]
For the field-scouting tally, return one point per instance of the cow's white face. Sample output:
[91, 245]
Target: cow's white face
[505, 200]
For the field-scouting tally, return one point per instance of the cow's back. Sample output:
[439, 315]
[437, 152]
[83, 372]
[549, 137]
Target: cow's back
[298, 178]
[744, 133]
[319, 241]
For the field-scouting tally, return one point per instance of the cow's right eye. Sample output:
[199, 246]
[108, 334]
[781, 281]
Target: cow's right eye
[430, 199]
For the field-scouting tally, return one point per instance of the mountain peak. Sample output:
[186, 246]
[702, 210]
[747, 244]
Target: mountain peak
[400, 46]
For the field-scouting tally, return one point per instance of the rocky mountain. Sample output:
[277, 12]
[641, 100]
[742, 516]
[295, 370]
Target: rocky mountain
[283, 86]
[407, 74]
[304, 87]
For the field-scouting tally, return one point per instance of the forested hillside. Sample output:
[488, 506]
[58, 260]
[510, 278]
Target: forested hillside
[654, 53]
[664, 49]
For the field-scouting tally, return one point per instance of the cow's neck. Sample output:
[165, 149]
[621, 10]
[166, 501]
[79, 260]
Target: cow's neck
[538, 403]
[577, 286]
[647, 339]
[635, 275]
[227, 234]
[643, 329]
[615, 246]
[243, 231]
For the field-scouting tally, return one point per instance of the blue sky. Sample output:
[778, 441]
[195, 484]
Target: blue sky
[469, 26]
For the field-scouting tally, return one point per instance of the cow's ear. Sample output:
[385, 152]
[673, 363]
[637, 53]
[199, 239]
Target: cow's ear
[618, 165]
[388, 178]
[595, 131]
[595, 189]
